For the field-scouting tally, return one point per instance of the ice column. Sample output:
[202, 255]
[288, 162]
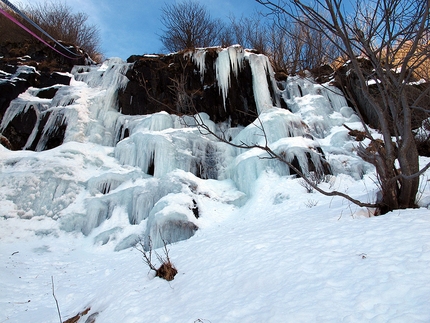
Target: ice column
[260, 67]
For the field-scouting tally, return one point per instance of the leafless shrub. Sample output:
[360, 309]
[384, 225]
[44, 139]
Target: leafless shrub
[313, 180]
[166, 270]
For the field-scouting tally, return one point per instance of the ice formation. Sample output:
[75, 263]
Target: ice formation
[198, 56]
[229, 62]
[321, 106]
[261, 70]
[115, 171]
[222, 67]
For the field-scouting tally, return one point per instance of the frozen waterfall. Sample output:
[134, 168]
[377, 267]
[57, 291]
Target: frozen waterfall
[121, 178]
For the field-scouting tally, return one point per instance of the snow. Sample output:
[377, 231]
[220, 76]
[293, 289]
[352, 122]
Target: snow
[250, 244]
[270, 259]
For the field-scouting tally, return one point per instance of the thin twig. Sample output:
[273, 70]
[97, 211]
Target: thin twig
[55, 298]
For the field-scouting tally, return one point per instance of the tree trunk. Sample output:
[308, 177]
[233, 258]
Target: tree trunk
[408, 185]
[389, 188]
[376, 154]
[408, 160]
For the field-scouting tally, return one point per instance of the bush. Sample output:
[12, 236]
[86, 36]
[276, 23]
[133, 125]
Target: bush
[166, 270]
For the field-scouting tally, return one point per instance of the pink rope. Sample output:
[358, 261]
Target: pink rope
[11, 18]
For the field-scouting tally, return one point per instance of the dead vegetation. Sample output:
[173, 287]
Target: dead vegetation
[166, 270]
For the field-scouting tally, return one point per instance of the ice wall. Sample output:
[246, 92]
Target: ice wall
[265, 91]
[159, 152]
[285, 134]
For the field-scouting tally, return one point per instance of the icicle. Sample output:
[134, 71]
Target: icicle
[222, 67]
[236, 55]
[35, 130]
[335, 96]
[57, 118]
[229, 60]
[198, 56]
[260, 68]
[110, 74]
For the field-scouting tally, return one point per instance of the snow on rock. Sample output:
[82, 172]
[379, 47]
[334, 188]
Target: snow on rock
[272, 258]
[170, 220]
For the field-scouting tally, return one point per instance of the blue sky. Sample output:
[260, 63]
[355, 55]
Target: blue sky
[133, 26]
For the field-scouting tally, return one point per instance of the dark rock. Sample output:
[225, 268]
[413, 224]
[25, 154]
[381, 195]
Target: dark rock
[10, 90]
[323, 73]
[49, 70]
[47, 93]
[154, 82]
[50, 79]
[20, 128]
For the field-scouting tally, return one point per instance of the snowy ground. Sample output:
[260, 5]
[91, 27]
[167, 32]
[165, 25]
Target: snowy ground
[279, 258]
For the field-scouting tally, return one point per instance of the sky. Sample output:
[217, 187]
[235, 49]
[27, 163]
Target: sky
[130, 27]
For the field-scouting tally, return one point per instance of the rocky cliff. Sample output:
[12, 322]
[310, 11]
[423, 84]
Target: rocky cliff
[158, 82]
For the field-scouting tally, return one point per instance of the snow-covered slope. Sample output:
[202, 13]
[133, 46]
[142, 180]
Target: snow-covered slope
[249, 242]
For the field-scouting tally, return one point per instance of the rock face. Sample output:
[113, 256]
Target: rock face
[160, 81]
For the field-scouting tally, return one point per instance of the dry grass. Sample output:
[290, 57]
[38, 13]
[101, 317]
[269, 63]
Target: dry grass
[166, 271]
[77, 317]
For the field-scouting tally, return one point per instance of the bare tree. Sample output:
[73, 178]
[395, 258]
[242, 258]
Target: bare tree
[250, 32]
[9, 31]
[295, 45]
[59, 20]
[377, 30]
[291, 45]
[188, 25]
